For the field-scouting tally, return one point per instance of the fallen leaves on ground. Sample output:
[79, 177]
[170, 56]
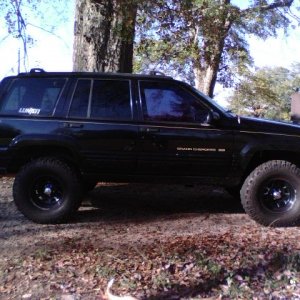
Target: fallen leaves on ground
[165, 242]
[256, 263]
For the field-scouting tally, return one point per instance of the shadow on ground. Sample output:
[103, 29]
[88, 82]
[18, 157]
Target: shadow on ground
[141, 202]
[126, 203]
[146, 200]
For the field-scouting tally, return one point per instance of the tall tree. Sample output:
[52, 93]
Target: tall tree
[23, 15]
[104, 35]
[266, 93]
[207, 36]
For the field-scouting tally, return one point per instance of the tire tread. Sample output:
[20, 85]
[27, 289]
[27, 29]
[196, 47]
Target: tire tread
[52, 163]
[247, 196]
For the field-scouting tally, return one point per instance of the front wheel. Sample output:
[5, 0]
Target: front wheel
[271, 194]
[47, 191]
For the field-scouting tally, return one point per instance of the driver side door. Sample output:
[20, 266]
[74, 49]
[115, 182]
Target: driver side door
[177, 137]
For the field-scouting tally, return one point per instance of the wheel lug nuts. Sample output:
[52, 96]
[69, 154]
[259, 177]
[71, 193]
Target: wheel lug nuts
[47, 191]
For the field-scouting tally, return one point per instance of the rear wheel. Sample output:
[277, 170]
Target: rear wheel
[47, 191]
[271, 194]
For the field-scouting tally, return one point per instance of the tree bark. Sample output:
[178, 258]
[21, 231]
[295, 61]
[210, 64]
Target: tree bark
[206, 70]
[104, 35]
[205, 79]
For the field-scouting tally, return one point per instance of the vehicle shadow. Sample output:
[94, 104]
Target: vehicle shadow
[127, 203]
[146, 201]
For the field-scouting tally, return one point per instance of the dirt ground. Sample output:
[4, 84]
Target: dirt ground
[118, 223]
[127, 212]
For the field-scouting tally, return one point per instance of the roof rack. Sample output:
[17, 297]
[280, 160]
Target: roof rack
[156, 73]
[37, 70]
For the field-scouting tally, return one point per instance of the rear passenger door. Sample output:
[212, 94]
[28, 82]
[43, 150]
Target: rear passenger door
[100, 118]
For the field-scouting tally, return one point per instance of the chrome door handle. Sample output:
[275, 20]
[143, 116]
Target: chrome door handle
[72, 125]
[150, 129]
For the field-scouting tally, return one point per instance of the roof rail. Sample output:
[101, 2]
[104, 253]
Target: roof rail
[37, 70]
[156, 73]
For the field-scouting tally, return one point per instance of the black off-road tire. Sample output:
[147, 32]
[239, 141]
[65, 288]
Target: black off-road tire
[47, 190]
[271, 194]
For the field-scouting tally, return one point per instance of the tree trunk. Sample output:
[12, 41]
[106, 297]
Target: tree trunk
[206, 70]
[104, 35]
[205, 79]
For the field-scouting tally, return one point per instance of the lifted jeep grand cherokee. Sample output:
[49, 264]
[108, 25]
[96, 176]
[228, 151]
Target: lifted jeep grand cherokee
[61, 133]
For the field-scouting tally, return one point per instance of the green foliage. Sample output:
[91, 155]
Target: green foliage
[266, 93]
[202, 35]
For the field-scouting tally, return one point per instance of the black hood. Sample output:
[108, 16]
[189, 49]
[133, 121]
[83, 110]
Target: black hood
[264, 125]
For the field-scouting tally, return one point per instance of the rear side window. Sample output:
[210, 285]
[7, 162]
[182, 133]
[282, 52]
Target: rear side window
[101, 99]
[32, 96]
[80, 102]
[111, 100]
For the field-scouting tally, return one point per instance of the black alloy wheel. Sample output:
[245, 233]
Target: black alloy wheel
[277, 195]
[47, 190]
[47, 193]
[271, 194]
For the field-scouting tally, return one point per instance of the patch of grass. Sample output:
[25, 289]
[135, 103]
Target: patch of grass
[18, 261]
[128, 283]
[105, 271]
[161, 280]
[293, 262]
[214, 268]
[42, 254]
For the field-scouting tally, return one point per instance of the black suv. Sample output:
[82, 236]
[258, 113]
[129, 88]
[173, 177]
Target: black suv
[61, 133]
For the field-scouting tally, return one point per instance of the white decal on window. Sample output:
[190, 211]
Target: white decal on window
[29, 110]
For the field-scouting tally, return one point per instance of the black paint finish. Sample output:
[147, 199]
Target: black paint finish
[222, 151]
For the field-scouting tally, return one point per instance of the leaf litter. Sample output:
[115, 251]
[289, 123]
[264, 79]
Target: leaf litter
[150, 255]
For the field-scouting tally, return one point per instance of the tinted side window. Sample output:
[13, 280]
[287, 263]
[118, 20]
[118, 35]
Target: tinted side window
[32, 96]
[3, 85]
[111, 100]
[80, 102]
[170, 102]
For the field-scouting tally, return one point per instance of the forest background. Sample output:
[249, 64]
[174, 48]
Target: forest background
[256, 73]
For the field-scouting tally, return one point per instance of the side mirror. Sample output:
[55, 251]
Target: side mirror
[207, 117]
[212, 117]
[215, 116]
